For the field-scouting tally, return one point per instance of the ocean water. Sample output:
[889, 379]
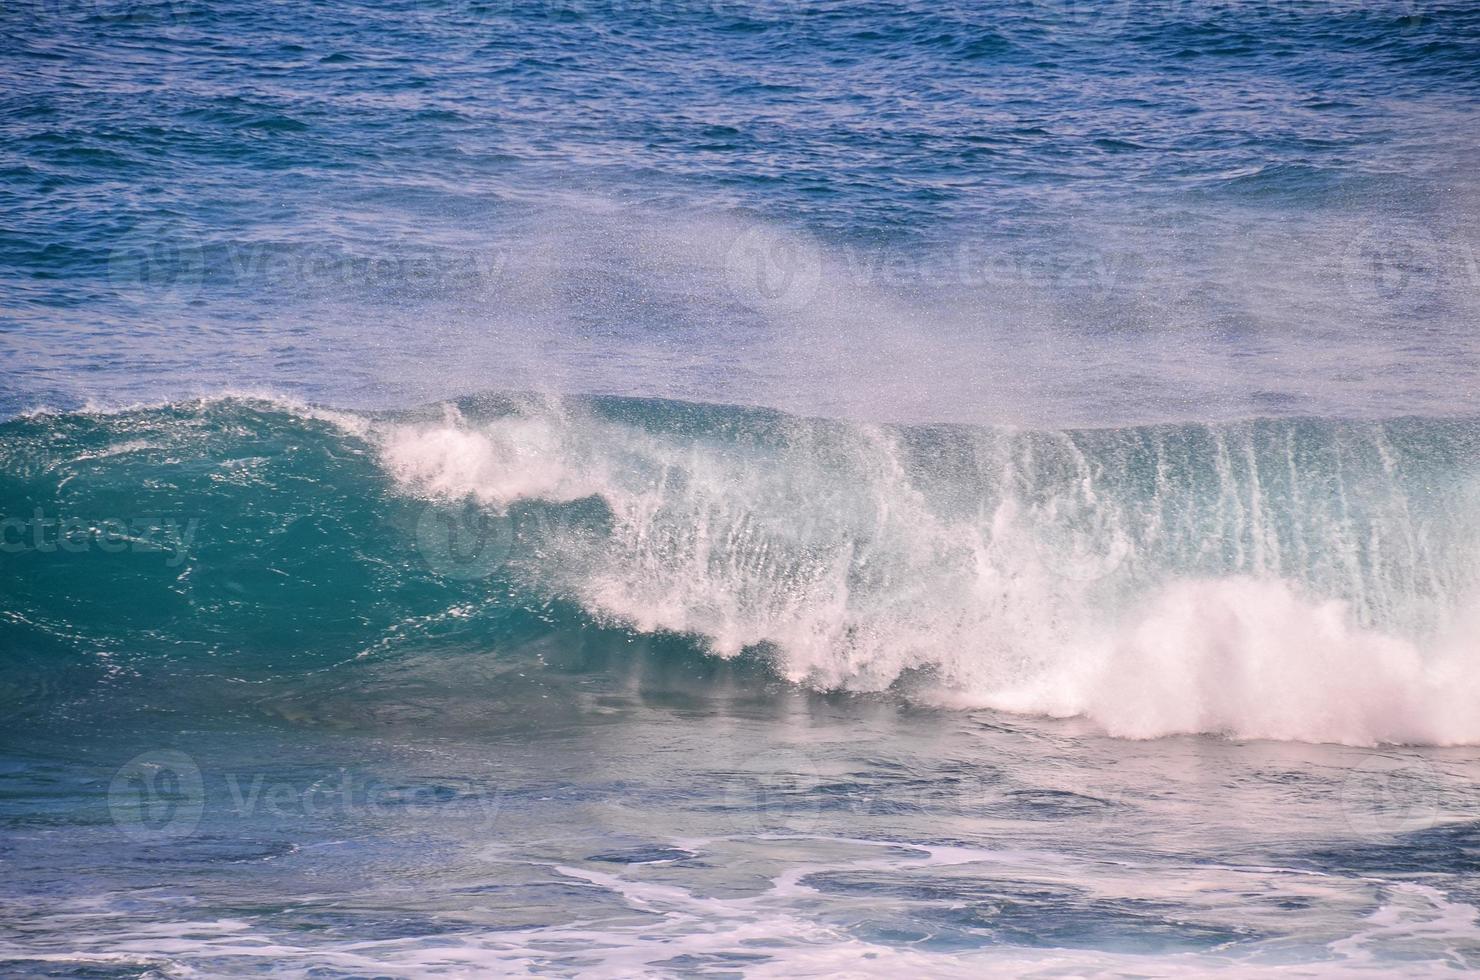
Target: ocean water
[612, 488]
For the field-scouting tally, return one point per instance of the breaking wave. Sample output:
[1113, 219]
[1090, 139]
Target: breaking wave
[1288, 579]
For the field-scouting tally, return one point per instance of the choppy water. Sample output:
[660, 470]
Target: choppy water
[779, 489]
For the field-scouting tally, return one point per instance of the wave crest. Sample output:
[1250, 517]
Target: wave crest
[1293, 579]
[1290, 580]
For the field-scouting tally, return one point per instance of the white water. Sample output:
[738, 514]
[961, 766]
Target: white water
[661, 925]
[1326, 601]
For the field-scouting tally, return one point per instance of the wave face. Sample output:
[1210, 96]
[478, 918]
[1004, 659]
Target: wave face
[1291, 579]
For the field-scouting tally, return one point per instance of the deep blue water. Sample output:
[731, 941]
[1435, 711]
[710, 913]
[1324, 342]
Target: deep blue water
[789, 488]
[1040, 212]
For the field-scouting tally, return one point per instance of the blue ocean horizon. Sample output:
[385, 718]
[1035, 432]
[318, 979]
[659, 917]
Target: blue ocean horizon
[745, 488]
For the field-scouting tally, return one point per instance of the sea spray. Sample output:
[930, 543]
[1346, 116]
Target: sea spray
[1288, 579]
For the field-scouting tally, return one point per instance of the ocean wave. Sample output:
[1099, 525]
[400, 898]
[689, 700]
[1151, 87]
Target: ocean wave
[1288, 579]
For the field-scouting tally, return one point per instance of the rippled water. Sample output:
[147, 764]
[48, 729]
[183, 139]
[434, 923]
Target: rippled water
[1027, 521]
[1031, 212]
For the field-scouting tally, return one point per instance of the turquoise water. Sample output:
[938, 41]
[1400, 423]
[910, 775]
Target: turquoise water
[738, 489]
[611, 686]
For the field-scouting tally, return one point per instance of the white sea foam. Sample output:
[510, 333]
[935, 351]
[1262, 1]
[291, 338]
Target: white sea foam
[1255, 659]
[1023, 573]
[519, 458]
[775, 931]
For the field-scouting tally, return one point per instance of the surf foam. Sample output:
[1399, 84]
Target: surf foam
[1285, 580]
